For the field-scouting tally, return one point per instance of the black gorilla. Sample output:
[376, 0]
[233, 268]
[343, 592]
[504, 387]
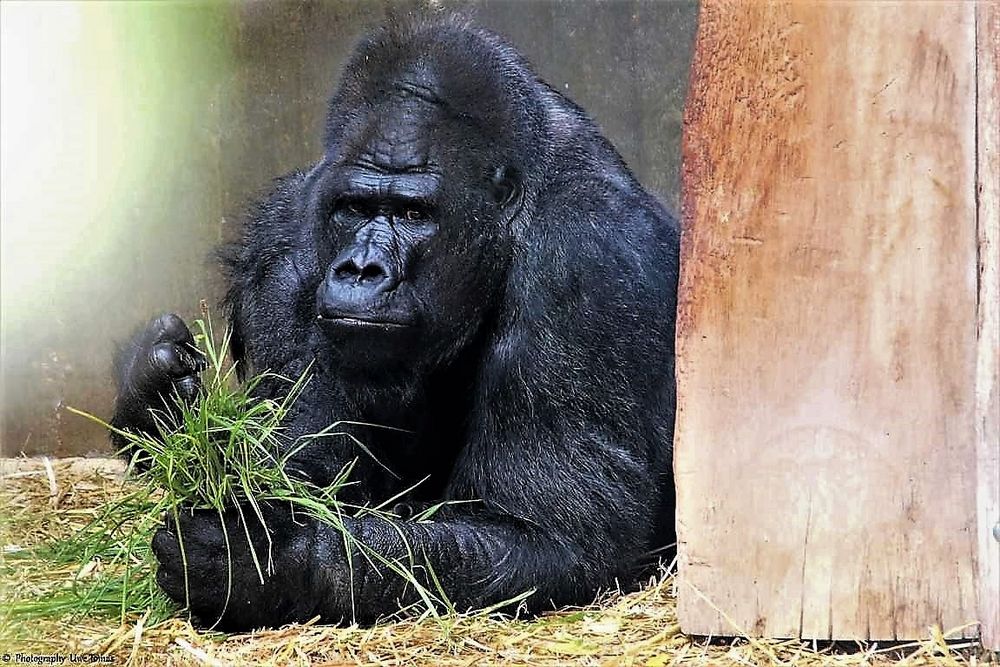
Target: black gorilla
[470, 261]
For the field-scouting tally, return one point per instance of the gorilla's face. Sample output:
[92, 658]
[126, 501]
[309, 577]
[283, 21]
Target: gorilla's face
[412, 235]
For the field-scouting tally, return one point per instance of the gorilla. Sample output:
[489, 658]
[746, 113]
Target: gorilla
[472, 264]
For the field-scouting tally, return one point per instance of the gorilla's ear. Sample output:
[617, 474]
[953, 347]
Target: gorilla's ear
[506, 186]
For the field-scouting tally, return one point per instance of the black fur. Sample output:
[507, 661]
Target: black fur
[523, 336]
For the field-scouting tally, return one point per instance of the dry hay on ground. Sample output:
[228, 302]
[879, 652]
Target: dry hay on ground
[38, 503]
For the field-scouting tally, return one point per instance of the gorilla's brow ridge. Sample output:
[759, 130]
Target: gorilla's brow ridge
[422, 92]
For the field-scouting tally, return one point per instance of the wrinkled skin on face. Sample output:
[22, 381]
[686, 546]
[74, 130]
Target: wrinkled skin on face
[472, 265]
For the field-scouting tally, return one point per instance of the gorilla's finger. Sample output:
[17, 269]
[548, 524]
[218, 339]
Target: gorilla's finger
[202, 529]
[188, 387]
[165, 546]
[172, 585]
[171, 328]
[195, 357]
[170, 359]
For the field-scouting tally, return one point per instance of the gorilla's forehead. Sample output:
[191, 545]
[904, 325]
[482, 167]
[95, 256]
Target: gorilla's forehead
[399, 133]
[367, 182]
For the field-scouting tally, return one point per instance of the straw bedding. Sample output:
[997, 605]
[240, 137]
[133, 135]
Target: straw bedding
[40, 502]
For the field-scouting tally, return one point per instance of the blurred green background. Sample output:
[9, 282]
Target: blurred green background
[134, 135]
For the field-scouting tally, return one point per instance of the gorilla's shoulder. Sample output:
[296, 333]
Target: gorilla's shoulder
[268, 228]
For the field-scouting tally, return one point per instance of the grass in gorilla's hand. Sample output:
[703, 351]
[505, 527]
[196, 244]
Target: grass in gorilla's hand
[224, 451]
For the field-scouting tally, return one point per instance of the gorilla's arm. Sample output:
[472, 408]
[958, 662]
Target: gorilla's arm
[480, 553]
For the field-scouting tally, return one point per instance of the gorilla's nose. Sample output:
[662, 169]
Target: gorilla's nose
[365, 267]
[371, 273]
[355, 281]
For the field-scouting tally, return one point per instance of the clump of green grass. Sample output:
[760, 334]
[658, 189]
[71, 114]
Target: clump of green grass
[114, 565]
[225, 450]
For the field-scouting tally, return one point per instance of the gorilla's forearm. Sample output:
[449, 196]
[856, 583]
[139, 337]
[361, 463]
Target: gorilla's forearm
[479, 562]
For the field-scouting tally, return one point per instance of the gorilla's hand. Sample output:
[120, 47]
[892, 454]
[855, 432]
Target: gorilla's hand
[159, 363]
[227, 585]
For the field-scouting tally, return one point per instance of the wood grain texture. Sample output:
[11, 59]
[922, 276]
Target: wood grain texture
[988, 319]
[825, 446]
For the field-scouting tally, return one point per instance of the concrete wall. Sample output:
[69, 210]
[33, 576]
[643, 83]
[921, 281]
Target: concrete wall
[135, 134]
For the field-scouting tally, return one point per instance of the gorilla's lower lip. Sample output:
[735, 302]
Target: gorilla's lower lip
[362, 323]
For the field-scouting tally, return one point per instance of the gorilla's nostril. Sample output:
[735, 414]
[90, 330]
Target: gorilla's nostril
[371, 272]
[346, 269]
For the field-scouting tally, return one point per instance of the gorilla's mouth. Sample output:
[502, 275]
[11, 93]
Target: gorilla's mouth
[350, 321]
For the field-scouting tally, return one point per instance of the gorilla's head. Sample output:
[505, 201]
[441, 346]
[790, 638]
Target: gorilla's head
[415, 197]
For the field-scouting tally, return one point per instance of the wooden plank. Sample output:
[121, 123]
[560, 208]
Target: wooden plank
[825, 447]
[988, 320]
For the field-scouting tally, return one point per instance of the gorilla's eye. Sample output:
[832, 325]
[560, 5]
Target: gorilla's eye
[347, 209]
[415, 214]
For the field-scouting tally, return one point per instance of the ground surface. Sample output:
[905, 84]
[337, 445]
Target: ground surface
[39, 503]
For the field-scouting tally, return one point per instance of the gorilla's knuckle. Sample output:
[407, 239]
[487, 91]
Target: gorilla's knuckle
[170, 327]
[188, 387]
[166, 580]
[164, 357]
[163, 545]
